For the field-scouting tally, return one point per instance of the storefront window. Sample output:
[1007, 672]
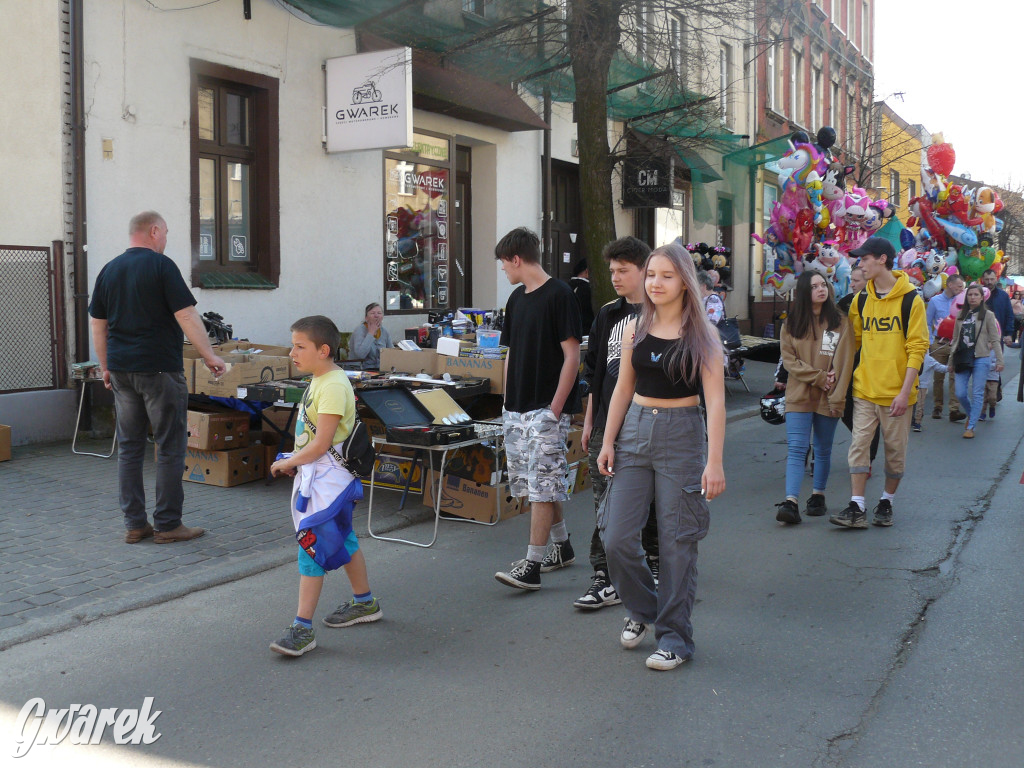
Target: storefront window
[417, 205]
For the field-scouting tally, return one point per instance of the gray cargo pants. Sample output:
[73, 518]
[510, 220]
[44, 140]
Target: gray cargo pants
[660, 453]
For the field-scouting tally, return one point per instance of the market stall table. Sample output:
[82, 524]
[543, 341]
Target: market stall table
[492, 436]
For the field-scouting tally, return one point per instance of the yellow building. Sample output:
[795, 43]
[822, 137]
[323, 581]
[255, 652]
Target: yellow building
[898, 159]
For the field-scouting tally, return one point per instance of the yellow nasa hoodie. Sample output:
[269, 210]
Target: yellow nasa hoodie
[886, 351]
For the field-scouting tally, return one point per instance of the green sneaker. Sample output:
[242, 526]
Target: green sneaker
[352, 612]
[296, 642]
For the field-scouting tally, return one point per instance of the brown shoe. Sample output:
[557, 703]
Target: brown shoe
[135, 535]
[181, 533]
[968, 434]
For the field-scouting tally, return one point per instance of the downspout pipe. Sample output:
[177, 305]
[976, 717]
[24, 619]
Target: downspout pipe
[78, 219]
[545, 194]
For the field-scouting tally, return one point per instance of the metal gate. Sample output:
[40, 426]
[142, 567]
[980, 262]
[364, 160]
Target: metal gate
[29, 349]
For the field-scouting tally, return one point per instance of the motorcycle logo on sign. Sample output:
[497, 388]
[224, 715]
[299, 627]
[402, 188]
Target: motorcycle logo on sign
[366, 93]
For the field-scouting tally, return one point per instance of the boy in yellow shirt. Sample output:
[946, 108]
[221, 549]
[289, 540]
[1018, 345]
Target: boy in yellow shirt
[324, 491]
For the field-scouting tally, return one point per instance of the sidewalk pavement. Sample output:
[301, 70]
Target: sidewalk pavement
[63, 560]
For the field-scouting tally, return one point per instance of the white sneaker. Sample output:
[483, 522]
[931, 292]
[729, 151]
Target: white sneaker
[600, 594]
[633, 633]
[663, 660]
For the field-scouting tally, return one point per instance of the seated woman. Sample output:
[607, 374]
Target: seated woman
[369, 338]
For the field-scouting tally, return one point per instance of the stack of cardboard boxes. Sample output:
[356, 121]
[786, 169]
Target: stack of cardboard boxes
[219, 452]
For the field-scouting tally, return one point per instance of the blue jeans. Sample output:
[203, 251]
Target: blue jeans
[972, 401]
[799, 427]
[160, 400]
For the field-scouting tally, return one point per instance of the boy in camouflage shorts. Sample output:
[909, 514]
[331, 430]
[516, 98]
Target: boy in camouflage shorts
[542, 330]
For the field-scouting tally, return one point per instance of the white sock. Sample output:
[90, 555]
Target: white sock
[535, 554]
[558, 533]
[860, 502]
[886, 496]
[817, 492]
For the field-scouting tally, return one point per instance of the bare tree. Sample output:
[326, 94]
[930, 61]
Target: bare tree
[653, 65]
[882, 144]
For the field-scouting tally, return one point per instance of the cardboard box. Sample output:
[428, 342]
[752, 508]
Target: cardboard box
[224, 468]
[251, 348]
[473, 501]
[579, 477]
[476, 463]
[479, 367]
[278, 415]
[5, 443]
[217, 430]
[404, 361]
[271, 444]
[393, 471]
[250, 369]
[574, 446]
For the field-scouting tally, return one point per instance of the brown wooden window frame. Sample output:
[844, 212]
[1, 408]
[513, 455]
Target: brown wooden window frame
[262, 154]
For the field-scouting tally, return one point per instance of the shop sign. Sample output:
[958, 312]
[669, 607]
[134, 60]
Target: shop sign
[646, 183]
[369, 101]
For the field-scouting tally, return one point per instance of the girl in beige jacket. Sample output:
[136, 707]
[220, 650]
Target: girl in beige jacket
[817, 351]
[976, 328]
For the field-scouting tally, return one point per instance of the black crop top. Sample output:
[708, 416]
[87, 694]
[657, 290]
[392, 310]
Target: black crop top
[652, 380]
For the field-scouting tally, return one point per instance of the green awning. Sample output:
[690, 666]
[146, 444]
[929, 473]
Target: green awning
[759, 154]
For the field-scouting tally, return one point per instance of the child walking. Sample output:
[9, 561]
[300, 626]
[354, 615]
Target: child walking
[654, 445]
[817, 351]
[324, 492]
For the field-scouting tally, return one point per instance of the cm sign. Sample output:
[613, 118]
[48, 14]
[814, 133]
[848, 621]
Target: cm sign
[369, 101]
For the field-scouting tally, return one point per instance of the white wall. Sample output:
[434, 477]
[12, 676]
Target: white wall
[30, 124]
[331, 205]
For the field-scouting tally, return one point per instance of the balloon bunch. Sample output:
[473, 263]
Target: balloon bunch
[818, 221]
[954, 220]
[715, 260]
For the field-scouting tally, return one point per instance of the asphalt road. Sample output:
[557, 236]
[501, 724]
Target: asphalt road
[816, 646]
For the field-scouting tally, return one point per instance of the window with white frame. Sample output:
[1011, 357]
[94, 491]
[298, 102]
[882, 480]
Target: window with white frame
[911, 189]
[724, 68]
[796, 90]
[833, 106]
[851, 21]
[865, 29]
[851, 109]
[816, 95]
[677, 30]
[643, 29]
[769, 84]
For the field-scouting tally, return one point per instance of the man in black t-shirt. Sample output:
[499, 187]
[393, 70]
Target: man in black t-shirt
[626, 258]
[542, 330]
[140, 306]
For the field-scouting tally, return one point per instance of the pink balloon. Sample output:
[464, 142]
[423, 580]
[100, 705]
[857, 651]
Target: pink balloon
[951, 271]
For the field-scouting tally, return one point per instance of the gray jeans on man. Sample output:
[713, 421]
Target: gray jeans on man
[160, 400]
[649, 536]
[660, 454]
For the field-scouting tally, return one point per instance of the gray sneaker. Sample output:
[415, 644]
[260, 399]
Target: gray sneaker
[297, 641]
[352, 612]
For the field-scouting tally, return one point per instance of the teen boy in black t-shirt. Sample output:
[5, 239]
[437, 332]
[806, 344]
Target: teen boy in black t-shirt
[542, 330]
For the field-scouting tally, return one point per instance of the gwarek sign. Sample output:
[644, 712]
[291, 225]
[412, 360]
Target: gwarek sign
[369, 101]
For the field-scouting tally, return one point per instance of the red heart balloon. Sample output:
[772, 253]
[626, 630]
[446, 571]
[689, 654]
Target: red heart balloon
[941, 158]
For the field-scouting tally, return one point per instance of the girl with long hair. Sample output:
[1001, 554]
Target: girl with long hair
[817, 351]
[655, 446]
[977, 329]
